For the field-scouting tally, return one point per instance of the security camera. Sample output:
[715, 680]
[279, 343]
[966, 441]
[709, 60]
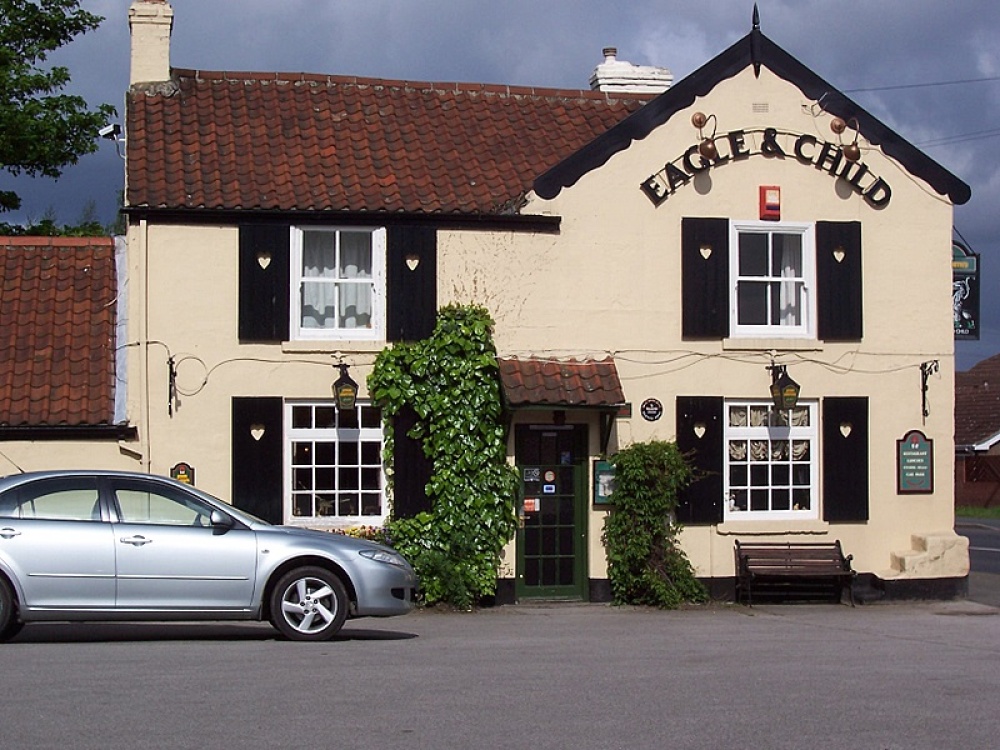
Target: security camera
[110, 131]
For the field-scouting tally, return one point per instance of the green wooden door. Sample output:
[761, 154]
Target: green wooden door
[552, 540]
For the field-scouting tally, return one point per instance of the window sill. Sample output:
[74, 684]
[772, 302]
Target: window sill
[773, 528]
[328, 346]
[767, 344]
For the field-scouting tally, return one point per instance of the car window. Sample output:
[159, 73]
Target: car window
[63, 499]
[160, 505]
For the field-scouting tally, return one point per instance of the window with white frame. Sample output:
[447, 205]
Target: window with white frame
[772, 268]
[771, 461]
[334, 471]
[338, 283]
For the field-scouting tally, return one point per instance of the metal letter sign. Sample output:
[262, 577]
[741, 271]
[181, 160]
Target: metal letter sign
[965, 292]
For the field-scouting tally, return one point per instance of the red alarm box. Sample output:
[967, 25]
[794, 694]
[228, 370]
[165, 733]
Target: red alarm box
[770, 203]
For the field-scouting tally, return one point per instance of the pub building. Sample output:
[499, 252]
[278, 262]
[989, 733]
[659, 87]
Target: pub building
[656, 255]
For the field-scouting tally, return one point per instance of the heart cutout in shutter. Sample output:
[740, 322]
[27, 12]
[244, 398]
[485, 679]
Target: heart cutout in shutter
[839, 255]
[412, 261]
[699, 430]
[706, 251]
[257, 431]
[264, 260]
[845, 428]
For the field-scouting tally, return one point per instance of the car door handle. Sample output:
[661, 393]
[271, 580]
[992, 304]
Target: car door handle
[135, 541]
[8, 533]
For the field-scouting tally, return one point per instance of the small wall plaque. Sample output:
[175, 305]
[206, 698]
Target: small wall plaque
[183, 472]
[914, 464]
[604, 482]
[651, 410]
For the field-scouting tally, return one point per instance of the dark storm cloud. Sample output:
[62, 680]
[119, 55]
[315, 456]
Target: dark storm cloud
[854, 45]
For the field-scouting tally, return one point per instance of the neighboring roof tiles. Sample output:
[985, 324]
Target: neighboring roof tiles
[286, 142]
[977, 403]
[561, 383]
[755, 50]
[57, 331]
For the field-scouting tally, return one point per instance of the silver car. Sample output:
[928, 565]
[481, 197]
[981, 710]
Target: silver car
[100, 545]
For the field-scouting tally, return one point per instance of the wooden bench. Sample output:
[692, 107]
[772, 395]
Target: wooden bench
[787, 570]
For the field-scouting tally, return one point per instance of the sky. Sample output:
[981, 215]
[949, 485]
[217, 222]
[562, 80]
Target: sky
[928, 69]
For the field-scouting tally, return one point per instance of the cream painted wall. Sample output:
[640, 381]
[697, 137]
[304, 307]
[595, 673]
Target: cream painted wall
[17, 456]
[192, 274]
[607, 284]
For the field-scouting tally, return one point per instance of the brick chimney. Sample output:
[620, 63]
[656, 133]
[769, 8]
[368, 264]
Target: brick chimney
[150, 22]
[618, 76]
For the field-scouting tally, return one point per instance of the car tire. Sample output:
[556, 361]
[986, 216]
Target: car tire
[10, 625]
[309, 604]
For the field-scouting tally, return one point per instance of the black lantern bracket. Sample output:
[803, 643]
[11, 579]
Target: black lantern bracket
[927, 369]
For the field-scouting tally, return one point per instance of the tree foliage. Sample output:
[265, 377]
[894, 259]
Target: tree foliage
[42, 129]
[451, 382]
[646, 564]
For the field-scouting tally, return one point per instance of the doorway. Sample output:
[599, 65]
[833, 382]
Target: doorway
[552, 539]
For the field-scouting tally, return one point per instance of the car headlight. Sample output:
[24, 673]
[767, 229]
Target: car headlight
[383, 556]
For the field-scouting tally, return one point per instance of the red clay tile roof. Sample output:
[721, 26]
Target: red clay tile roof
[210, 140]
[977, 402]
[57, 331]
[563, 383]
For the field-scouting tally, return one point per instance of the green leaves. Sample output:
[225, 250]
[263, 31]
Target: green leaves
[41, 130]
[451, 381]
[645, 562]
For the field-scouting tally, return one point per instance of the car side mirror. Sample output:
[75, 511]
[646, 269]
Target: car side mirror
[221, 521]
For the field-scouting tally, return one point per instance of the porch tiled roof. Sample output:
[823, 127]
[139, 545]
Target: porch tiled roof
[57, 331]
[561, 383]
[286, 142]
[977, 402]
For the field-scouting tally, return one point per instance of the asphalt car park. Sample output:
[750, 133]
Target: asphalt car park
[883, 675]
[916, 675]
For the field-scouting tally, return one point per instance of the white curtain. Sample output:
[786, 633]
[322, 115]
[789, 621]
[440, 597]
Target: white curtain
[336, 286]
[787, 254]
[356, 267]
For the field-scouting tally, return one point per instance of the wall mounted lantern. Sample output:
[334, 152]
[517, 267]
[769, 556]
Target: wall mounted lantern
[784, 390]
[707, 147]
[851, 151]
[345, 390]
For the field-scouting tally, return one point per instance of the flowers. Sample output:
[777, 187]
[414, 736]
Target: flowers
[378, 534]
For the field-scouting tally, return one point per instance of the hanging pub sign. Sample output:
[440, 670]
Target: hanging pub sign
[914, 464]
[965, 292]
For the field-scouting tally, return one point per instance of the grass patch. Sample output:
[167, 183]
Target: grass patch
[966, 511]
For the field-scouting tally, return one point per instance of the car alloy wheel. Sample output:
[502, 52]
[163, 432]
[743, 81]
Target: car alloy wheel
[309, 604]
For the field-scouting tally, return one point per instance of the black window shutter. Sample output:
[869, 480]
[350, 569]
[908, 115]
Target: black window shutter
[845, 459]
[257, 461]
[411, 282]
[411, 468]
[700, 434]
[838, 280]
[264, 282]
[705, 278]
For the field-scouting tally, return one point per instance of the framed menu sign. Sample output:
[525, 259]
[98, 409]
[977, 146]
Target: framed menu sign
[914, 464]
